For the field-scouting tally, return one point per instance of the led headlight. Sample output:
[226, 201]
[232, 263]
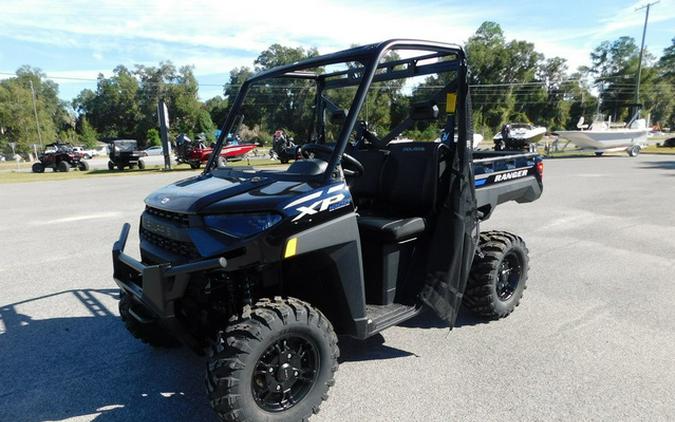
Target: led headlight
[241, 225]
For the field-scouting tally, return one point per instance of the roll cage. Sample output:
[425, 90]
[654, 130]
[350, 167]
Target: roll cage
[370, 69]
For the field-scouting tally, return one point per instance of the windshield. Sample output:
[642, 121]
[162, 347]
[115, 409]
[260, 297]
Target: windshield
[125, 146]
[311, 105]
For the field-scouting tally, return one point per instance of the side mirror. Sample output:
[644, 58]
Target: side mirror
[424, 111]
[338, 117]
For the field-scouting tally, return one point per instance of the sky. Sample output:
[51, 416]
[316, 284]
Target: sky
[72, 41]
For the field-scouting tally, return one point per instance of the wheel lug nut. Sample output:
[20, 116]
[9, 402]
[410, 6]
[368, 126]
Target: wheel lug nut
[290, 355]
[271, 370]
[295, 374]
[278, 387]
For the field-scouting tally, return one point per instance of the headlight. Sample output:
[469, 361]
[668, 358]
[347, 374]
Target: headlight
[241, 225]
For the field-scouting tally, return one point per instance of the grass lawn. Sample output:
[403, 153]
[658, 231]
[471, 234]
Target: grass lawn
[8, 176]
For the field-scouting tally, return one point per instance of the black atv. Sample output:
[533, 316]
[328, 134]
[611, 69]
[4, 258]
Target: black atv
[124, 153]
[60, 157]
[264, 268]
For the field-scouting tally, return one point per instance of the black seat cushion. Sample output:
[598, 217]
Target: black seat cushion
[391, 229]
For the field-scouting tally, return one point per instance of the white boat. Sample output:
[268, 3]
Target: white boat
[477, 139]
[601, 137]
[523, 133]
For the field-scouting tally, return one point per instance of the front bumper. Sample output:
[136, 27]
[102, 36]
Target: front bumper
[155, 288]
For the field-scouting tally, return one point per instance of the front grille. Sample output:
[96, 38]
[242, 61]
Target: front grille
[185, 249]
[175, 217]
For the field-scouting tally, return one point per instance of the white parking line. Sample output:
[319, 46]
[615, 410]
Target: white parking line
[94, 216]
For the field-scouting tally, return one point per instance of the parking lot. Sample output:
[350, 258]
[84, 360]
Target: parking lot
[593, 339]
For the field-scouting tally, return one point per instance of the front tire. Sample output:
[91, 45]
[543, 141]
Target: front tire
[111, 166]
[38, 168]
[141, 164]
[83, 166]
[63, 166]
[274, 363]
[498, 279]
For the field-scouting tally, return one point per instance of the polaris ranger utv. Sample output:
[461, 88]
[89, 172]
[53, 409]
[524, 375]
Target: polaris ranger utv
[264, 268]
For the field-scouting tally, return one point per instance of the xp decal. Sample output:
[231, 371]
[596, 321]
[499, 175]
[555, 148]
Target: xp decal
[330, 199]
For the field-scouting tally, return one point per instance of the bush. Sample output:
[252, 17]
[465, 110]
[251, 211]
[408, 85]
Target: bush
[152, 137]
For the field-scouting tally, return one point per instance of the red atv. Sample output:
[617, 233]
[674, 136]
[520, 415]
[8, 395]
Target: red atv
[196, 153]
[60, 157]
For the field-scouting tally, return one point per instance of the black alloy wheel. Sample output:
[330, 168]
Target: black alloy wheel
[510, 273]
[285, 373]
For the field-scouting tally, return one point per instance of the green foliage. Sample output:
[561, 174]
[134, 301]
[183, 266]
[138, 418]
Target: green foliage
[217, 107]
[152, 137]
[125, 105]
[17, 117]
[429, 133]
[88, 136]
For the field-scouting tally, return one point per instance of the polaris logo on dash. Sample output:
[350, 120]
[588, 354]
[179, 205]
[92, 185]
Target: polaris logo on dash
[509, 176]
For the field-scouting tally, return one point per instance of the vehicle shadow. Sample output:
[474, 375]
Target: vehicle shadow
[664, 165]
[427, 319]
[53, 369]
[373, 348]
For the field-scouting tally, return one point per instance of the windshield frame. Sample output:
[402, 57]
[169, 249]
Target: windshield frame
[370, 57]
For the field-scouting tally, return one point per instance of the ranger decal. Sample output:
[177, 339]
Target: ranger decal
[512, 175]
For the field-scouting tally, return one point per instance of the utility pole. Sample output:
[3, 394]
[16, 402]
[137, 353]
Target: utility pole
[642, 48]
[37, 122]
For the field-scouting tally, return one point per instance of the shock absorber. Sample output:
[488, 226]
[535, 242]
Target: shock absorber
[246, 291]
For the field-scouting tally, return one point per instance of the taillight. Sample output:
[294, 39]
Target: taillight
[540, 169]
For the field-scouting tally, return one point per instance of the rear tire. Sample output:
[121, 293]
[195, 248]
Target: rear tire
[63, 166]
[141, 164]
[120, 167]
[599, 154]
[111, 166]
[38, 168]
[498, 279]
[276, 362]
[150, 333]
[195, 166]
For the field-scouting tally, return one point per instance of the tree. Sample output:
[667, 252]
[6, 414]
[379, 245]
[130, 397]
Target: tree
[88, 136]
[113, 109]
[17, 116]
[217, 107]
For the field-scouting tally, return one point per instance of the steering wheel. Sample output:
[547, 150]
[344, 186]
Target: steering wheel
[350, 165]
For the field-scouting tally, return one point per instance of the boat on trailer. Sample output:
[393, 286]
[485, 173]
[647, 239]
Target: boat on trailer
[601, 136]
[519, 136]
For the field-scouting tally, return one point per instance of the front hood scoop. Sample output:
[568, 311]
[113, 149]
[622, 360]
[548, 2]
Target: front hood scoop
[194, 193]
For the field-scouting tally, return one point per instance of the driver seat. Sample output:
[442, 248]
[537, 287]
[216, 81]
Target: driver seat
[412, 176]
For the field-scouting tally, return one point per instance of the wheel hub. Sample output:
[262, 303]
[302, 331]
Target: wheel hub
[285, 373]
[509, 275]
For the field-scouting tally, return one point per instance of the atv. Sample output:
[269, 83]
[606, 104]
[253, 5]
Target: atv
[264, 268]
[60, 157]
[124, 153]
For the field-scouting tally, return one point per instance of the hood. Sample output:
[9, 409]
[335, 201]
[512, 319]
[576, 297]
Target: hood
[192, 194]
[209, 194]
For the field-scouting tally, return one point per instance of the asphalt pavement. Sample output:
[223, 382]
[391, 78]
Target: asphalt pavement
[593, 339]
